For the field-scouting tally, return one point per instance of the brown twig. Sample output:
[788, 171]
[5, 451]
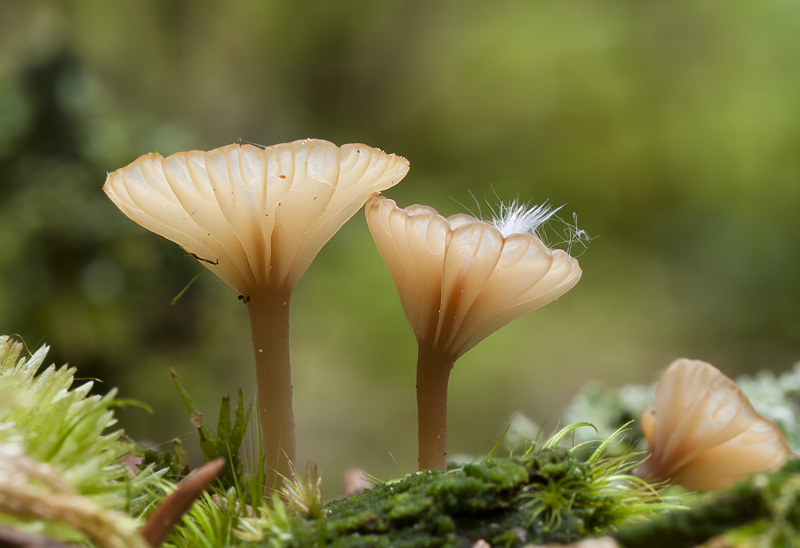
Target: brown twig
[169, 512]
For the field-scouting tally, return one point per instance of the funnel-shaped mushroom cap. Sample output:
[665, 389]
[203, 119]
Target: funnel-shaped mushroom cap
[254, 216]
[459, 278]
[703, 433]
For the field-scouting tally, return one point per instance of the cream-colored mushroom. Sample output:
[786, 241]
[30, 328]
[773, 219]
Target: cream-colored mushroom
[704, 434]
[460, 279]
[257, 217]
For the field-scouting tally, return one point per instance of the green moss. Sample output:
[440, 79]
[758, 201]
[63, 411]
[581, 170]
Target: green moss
[543, 496]
[761, 511]
[61, 472]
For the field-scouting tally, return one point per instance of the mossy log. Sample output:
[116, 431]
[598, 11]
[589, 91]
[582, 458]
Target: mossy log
[767, 505]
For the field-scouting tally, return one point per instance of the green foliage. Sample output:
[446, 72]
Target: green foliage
[208, 524]
[610, 409]
[212, 520]
[226, 442]
[175, 463]
[304, 493]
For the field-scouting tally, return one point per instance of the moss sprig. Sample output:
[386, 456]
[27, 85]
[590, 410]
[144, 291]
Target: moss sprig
[62, 471]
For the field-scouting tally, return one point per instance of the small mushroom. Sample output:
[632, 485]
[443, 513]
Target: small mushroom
[704, 434]
[460, 279]
[257, 217]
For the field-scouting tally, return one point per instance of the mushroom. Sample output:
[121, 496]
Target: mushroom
[460, 279]
[704, 434]
[256, 217]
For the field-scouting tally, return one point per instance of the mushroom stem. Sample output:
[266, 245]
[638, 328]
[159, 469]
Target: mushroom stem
[269, 319]
[433, 373]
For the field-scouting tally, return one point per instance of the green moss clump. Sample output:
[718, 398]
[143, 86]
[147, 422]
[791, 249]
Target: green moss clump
[546, 495]
[61, 471]
[429, 508]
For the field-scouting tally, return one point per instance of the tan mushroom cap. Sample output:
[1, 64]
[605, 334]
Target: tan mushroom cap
[704, 434]
[459, 278]
[254, 216]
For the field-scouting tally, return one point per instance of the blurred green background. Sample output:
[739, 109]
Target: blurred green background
[672, 130]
